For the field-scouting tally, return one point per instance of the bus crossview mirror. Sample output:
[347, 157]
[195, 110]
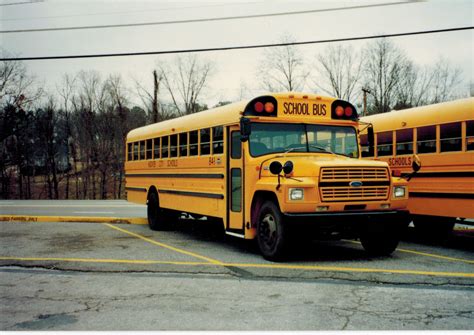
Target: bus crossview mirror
[276, 167]
[244, 129]
[416, 165]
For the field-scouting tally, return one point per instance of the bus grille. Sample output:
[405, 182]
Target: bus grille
[334, 184]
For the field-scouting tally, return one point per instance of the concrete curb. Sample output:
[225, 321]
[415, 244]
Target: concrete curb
[99, 219]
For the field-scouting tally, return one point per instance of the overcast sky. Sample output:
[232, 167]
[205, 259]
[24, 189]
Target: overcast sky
[232, 67]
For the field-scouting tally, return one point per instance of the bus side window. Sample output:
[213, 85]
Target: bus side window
[205, 141]
[404, 140]
[217, 140]
[130, 151]
[470, 135]
[135, 151]
[157, 147]
[193, 143]
[236, 145]
[149, 149]
[426, 139]
[164, 147]
[385, 143]
[142, 150]
[450, 137]
[183, 144]
[174, 145]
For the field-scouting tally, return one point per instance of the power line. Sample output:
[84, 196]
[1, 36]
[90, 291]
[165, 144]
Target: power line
[225, 18]
[129, 12]
[21, 3]
[255, 46]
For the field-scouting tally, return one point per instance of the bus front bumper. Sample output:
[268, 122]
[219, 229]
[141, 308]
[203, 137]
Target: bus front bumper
[351, 223]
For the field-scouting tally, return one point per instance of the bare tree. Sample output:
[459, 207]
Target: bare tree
[339, 72]
[185, 82]
[383, 69]
[445, 82]
[283, 68]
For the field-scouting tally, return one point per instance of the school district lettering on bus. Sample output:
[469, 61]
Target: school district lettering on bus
[268, 169]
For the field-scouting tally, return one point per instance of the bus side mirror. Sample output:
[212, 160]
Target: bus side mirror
[416, 165]
[244, 129]
[370, 140]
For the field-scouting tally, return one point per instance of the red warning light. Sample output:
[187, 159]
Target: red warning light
[339, 111]
[269, 108]
[258, 107]
[348, 111]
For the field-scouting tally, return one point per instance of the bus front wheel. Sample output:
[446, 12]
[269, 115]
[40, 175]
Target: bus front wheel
[156, 215]
[380, 239]
[271, 234]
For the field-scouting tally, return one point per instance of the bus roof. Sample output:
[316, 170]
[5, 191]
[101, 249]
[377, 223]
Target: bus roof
[228, 114]
[445, 112]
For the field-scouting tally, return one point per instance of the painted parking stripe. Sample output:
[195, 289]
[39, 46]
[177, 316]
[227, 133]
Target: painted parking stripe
[89, 219]
[426, 254]
[163, 245]
[250, 265]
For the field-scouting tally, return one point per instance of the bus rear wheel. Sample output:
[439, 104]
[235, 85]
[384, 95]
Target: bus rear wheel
[157, 220]
[271, 234]
[434, 226]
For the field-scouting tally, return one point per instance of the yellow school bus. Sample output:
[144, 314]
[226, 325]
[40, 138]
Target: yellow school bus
[268, 169]
[442, 135]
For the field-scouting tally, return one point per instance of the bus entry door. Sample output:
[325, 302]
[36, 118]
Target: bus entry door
[235, 178]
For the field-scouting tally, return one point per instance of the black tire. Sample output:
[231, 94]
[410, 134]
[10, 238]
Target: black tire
[271, 232]
[157, 220]
[380, 239]
[434, 226]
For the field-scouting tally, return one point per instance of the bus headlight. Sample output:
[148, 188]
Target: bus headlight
[399, 191]
[296, 194]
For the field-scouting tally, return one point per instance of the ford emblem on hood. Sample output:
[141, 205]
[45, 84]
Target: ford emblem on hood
[355, 183]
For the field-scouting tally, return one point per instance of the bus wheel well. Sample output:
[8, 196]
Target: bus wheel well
[259, 198]
[151, 191]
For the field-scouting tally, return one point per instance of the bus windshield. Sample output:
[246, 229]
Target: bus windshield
[269, 138]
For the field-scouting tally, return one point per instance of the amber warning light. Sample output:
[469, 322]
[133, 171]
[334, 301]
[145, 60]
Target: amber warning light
[343, 110]
[262, 106]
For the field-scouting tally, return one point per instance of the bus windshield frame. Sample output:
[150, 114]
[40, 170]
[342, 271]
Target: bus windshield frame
[273, 138]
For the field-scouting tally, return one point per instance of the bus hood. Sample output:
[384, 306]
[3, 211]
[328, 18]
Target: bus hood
[310, 166]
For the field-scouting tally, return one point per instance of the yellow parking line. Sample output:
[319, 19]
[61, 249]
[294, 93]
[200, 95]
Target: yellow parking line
[248, 265]
[91, 219]
[425, 254]
[163, 245]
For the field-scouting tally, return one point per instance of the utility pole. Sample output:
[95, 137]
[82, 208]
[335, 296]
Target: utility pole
[365, 90]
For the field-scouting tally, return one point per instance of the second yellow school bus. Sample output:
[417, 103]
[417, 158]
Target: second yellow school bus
[442, 135]
[268, 168]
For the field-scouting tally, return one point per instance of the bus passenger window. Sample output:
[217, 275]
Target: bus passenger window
[450, 137]
[205, 141]
[236, 145]
[217, 140]
[470, 135]
[157, 148]
[164, 147]
[174, 145]
[193, 143]
[142, 150]
[236, 190]
[183, 144]
[135, 151]
[385, 144]
[404, 142]
[149, 149]
[426, 139]
[130, 152]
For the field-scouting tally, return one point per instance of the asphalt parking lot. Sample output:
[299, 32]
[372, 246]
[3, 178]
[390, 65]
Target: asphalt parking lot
[102, 276]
